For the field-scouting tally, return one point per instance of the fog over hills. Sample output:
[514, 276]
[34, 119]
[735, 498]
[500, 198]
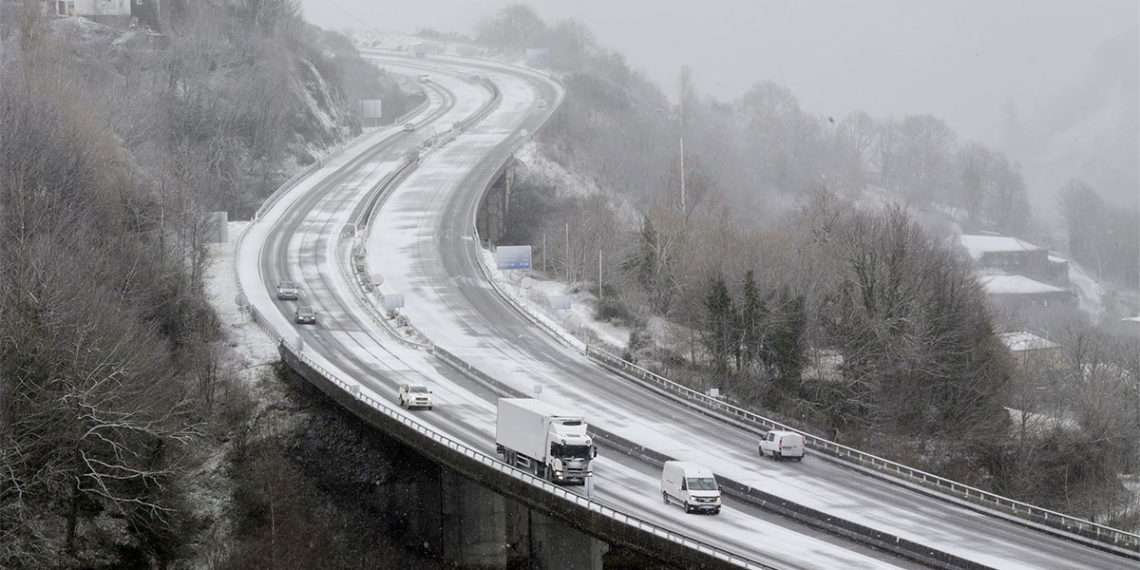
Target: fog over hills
[1054, 84]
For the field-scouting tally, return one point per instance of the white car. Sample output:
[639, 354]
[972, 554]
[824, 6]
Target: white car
[783, 445]
[415, 396]
[288, 291]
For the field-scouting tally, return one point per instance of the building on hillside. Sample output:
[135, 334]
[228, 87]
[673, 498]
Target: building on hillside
[1015, 292]
[1129, 327]
[121, 13]
[1031, 352]
[1012, 255]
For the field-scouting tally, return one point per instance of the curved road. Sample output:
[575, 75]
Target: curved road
[422, 244]
[299, 238]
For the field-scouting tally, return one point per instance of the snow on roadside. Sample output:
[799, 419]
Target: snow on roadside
[538, 296]
[251, 347]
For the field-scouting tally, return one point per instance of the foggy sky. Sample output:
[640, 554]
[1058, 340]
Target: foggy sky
[961, 60]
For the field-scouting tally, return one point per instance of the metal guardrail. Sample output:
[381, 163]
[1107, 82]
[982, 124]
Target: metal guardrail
[1090, 530]
[1068, 523]
[387, 408]
[354, 389]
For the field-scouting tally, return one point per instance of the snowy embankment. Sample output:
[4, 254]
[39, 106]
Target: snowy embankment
[1090, 293]
[567, 309]
[250, 347]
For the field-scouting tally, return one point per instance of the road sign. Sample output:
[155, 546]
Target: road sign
[392, 302]
[559, 302]
[513, 257]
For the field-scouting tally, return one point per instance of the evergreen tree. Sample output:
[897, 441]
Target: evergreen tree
[787, 342]
[719, 333]
[753, 314]
[649, 268]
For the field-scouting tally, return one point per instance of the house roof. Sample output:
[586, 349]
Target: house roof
[1015, 285]
[980, 244]
[1023, 341]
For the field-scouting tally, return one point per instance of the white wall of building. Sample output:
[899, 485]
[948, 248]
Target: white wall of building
[102, 7]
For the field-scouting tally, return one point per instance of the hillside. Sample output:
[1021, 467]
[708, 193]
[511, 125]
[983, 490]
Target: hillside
[119, 410]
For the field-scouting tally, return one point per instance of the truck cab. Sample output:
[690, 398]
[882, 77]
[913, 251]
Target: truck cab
[692, 485]
[571, 450]
[544, 439]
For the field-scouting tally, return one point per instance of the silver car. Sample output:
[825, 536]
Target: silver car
[288, 291]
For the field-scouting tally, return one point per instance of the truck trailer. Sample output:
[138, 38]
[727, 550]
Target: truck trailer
[544, 439]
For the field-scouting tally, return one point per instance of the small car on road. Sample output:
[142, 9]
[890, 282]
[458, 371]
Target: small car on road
[305, 315]
[409, 127]
[415, 396]
[288, 291]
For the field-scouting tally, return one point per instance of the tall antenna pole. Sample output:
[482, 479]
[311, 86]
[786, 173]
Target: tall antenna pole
[681, 85]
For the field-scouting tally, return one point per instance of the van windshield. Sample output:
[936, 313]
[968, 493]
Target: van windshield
[701, 483]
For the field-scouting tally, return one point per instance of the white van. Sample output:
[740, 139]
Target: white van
[691, 485]
[783, 445]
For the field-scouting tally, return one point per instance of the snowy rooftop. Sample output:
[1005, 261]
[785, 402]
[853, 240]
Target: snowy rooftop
[1022, 341]
[1015, 285]
[980, 244]
[1135, 319]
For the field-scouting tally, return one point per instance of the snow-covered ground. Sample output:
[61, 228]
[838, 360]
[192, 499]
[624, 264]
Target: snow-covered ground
[1090, 293]
[251, 347]
[416, 237]
[354, 349]
[547, 299]
[543, 170]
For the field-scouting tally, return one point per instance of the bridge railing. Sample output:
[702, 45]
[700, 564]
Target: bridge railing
[382, 406]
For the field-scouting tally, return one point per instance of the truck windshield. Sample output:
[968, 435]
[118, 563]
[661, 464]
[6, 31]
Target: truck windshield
[701, 483]
[570, 451]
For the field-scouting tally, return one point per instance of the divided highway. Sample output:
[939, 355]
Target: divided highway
[300, 239]
[421, 244]
[435, 266]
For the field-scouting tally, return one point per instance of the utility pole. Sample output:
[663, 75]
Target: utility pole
[567, 256]
[599, 274]
[684, 77]
[543, 252]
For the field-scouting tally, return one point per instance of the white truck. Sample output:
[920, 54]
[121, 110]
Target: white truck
[545, 440]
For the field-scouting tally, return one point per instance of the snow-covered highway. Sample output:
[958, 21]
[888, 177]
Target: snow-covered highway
[421, 244]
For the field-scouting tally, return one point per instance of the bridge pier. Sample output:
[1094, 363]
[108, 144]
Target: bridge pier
[555, 545]
[491, 218]
[474, 523]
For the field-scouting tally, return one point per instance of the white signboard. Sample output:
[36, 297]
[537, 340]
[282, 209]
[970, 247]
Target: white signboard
[371, 109]
[513, 257]
[392, 302]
